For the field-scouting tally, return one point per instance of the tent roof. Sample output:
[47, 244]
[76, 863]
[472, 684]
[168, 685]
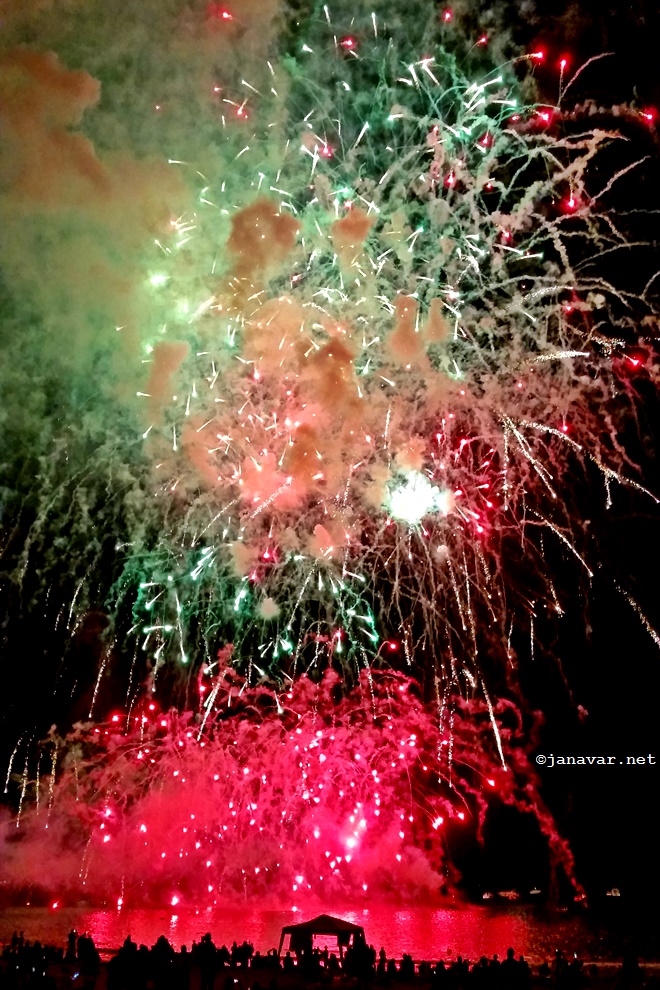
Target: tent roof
[325, 924]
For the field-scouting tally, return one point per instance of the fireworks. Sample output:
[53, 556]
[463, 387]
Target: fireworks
[379, 403]
[374, 354]
[312, 794]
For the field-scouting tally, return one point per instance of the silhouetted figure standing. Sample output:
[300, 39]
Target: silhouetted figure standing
[479, 975]
[206, 957]
[559, 968]
[544, 971]
[142, 969]
[407, 969]
[71, 946]
[162, 963]
[524, 974]
[182, 965]
[509, 971]
[631, 974]
[89, 961]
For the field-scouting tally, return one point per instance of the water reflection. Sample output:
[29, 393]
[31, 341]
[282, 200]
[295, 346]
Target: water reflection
[426, 933]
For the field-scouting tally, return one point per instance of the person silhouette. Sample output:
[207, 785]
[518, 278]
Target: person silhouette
[206, 958]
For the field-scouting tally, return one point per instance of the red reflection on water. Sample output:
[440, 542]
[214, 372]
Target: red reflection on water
[426, 933]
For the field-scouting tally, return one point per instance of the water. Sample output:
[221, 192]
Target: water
[425, 932]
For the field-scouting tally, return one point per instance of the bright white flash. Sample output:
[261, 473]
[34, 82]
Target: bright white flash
[411, 499]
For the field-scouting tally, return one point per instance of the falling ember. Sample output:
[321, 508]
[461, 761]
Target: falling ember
[221, 826]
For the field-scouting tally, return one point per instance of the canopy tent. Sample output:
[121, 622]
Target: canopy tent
[302, 935]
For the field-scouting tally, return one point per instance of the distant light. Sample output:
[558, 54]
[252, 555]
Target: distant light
[219, 12]
[174, 901]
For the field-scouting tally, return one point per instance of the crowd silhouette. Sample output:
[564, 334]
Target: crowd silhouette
[26, 965]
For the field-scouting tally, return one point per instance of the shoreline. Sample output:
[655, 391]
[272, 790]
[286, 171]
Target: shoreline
[426, 934]
[604, 976]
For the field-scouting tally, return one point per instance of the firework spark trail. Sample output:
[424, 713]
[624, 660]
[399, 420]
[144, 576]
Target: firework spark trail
[640, 614]
[315, 799]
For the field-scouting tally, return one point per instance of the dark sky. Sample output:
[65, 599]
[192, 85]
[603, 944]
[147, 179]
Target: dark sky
[581, 30]
[613, 670]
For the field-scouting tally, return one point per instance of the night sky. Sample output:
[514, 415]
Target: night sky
[610, 663]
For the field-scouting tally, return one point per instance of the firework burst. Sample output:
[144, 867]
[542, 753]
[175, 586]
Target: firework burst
[376, 354]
